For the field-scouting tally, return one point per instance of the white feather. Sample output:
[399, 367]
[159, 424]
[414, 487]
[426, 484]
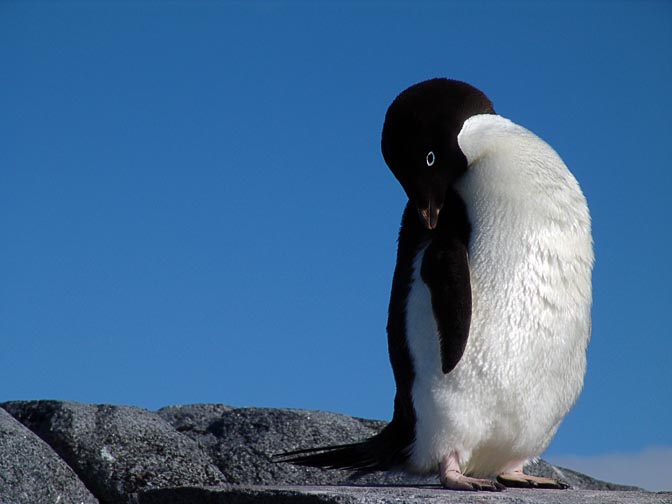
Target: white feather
[530, 259]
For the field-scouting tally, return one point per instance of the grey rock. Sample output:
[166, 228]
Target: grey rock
[193, 417]
[209, 453]
[391, 495]
[117, 450]
[31, 472]
[241, 441]
[576, 480]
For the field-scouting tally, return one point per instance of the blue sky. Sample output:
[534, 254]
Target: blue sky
[194, 207]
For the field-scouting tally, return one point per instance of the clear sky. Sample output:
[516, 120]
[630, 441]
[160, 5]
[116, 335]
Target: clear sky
[194, 207]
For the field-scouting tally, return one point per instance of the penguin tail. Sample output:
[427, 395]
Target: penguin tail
[381, 452]
[346, 456]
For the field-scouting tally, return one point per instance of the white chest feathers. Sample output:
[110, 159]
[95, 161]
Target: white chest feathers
[530, 259]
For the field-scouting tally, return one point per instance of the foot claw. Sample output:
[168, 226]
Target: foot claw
[454, 480]
[518, 479]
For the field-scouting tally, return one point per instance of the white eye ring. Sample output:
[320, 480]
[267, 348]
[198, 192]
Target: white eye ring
[430, 158]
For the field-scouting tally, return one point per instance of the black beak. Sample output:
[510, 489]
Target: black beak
[430, 215]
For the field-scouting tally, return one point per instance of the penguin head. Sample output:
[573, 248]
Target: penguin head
[419, 140]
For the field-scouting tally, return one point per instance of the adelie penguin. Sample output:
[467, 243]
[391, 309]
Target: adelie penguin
[489, 316]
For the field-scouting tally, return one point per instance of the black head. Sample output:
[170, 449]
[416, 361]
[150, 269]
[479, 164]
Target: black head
[420, 139]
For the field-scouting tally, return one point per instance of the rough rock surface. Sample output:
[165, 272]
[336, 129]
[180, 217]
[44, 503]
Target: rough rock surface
[241, 442]
[393, 495]
[209, 453]
[117, 450]
[30, 471]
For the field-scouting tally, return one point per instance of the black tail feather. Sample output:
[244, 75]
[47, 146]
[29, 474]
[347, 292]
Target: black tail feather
[379, 453]
[349, 456]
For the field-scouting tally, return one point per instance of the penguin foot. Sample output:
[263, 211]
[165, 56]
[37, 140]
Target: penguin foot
[518, 479]
[453, 479]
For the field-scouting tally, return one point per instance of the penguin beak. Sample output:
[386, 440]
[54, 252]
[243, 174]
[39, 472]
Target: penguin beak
[430, 215]
[430, 204]
[427, 193]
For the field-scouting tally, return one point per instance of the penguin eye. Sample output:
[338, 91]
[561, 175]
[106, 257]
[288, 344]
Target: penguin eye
[430, 158]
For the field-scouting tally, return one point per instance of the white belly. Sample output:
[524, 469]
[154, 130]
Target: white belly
[530, 260]
[506, 397]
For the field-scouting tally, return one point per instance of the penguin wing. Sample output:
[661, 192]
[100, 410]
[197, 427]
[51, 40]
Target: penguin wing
[445, 271]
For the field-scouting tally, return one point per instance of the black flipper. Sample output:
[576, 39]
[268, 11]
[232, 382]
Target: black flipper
[445, 270]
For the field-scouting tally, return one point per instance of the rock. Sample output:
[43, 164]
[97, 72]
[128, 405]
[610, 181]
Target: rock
[241, 442]
[31, 472]
[193, 417]
[210, 453]
[391, 495]
[117, 450]
[576, 480]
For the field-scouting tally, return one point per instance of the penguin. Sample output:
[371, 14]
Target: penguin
[489, 315]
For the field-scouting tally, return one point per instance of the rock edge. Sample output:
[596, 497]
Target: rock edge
[68, 452]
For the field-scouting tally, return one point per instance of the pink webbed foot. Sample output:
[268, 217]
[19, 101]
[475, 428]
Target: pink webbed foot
[453, 479]
[518, 479]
